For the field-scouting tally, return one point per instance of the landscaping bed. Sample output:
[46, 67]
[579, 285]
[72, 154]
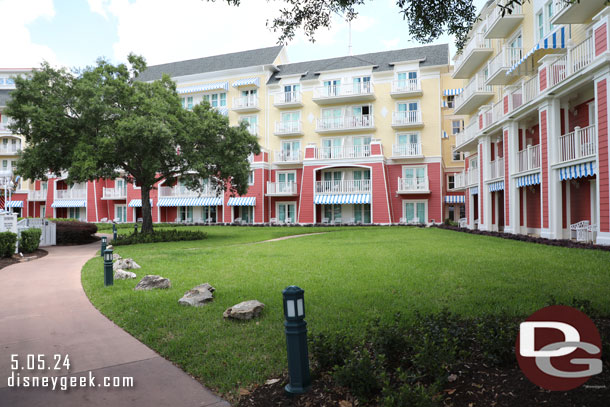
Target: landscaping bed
[7, 261]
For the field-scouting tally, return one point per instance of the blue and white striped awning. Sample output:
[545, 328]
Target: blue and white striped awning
[454, 199]
[198, 201]
[342, 199]
[137, 203]
[246, 82]
[223, 110]
[452, 92]
[578, 171]
[444, 134]
[474, 191]
[444, 103]
[204, 88]
[555, 40]
[496, 186]
[69, 203]
[527, 180]
[13, 204]
[242, 201]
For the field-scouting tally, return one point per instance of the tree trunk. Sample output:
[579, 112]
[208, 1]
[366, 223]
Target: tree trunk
[147, 223]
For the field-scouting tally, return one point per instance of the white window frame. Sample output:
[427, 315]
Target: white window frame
[415, 202]
[116, 215]
[461, 126]
[547, 25]
[449, 182]
[539, 35]
[251, 175]
[277, 210]
[415, 167]
[407, 102]
[287, 112]
[408, 133]
[461, 153]
[209, 96]
[250, 116]
[286, 172]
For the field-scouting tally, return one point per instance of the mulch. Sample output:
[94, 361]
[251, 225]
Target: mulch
[7, 261]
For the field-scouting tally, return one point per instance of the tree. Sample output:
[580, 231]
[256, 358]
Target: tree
[103, 122]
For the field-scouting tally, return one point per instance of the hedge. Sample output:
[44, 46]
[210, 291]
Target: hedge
[29, 240]
[164, 235]
[75, 232]
[8, 241]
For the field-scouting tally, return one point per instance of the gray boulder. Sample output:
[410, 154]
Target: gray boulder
[198, 296]
[151, 282]
[123, 275]
[244, 310]
[125, 264]
[116, 256]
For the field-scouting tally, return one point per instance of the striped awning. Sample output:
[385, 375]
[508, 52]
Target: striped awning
[578, 171]
[69, 203]
[242, 201]
[474, 191]
[444, 134]
[444, 103]
[555, 40]
[452, 92]
[246, 82]
[342, 199]
[204, 88]
[13, 204]
[454, 199]
[198, 201]
[527, 180]
[496, 186]
[137, 203]
[223, 110]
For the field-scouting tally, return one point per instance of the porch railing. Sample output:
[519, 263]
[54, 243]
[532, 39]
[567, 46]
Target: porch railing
[345, 122]
[72, 193]
[245, 102]
[406, 150]
[182, 191]
[413, 184]
[476, 84]
[529, 158]
[406, 85]
[325, 153]
[347, 89]
[496, 168]
[343, 186]
[288, 97]
[477, 41]
[114, 192]
[288, 156]
[38, 195]
[406, 118]
[579, 143]
[274, 188]
[291, 127]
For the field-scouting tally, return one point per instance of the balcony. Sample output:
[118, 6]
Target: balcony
[39, 195]
[288, 100]
[345, 124]
[246, 104]
[281, 188]
[253, 129]
[467, 135]
[499, 26]
[406, 88]
[576, 12]
[114, 193]
[501, 63]
[288, 157]
[343, 186]
[285, 129]
[496, 168]
[579, 144]
[408, 150]
[407, 120]
[72, 193]
[475, 94]
[477, 51]
[180, 191]
[529, 158]
[10, 149]
[337, 153]
[413, 186]
[346, 93]
[4, 127]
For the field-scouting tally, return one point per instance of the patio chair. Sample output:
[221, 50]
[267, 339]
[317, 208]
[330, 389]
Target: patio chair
[288, 221]
[403, 221]
[336, 221]
[325, 221]
[104, 220]
[139, 220]
[349, 221]
[273, 221]
[116, 220]
[237, 221]
[580, 231]
[463, 222]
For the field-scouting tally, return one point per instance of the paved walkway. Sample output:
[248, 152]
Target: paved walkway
[44, 311]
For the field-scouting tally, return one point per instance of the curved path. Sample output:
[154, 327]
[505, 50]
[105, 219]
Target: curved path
[44, 311]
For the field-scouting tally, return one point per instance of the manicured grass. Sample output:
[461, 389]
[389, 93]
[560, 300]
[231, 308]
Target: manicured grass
[350, 275]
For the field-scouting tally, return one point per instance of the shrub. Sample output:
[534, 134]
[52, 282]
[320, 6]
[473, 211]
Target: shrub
[8, 240]
[29, 240]
[330, 351]
[361, 373]
[75, 232]
[165, 235]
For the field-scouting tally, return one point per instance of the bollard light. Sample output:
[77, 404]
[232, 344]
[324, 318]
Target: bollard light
[104, 242]
[108, 277]
[114, 232]
[295, 328]
[135, 228]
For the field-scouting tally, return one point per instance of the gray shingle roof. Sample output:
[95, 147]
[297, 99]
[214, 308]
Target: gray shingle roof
[433, 54]
[254, 57]
[4, 96]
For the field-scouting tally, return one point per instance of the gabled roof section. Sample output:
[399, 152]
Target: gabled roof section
[381, 61]
[243, 59]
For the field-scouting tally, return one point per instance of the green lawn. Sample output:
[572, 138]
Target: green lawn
[350, 275]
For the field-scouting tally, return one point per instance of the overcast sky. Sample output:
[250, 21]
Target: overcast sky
[75, 33]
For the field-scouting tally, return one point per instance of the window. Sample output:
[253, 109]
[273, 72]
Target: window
[549, 15]
[450, 101]
[120, 213]
[415, 211]
[286, 211]
[408, 144]
[252, 122]
[332, 87]
[209, 214]
[473, 164]
[189, 103]
[216, 99]
[362, 213]
[540, 24]
[415, 176]
[291, 92]
[450, 181]
[462, 211]
[74, 213]
[251, 178]
[248, 97]
[456, 155]
[332, 213]
[185, 213]
[291, 150]
[246, 213]
[4, 165]
[451, 213]
[285, 181]
[362, 84]
[290, 122]
[457, 126]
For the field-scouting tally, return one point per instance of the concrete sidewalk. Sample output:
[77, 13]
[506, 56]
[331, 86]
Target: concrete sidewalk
[44, 311]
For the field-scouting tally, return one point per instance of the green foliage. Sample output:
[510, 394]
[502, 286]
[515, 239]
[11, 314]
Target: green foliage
[8, 241]
[163, 235]
[330, 350]
[29, 240]
[75, 232]
[361, 373]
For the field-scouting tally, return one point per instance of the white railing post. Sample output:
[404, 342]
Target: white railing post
[577, 143]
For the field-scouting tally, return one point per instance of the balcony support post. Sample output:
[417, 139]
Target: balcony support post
[555, 227]
[484, 194]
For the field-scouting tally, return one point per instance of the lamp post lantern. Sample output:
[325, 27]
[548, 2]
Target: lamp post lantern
[295, 328]
[114, 232]
[108, 277]
[104, 242]
[135, 228]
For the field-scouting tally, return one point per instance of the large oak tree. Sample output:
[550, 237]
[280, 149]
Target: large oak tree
[102, 122]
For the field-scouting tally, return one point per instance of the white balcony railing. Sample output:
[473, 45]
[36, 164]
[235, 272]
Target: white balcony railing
[406, 85]
[343, 186]
[529, 158]
[114, 193]
[182, 191]
[281, 188]
[473, 176]
[10, 149]
[38, 195]
[505, 59]
[4, 126]
[72, 193]
[406, 118]
[459, 180]
[287, 98]
[290, 156]
[496, 168]
[326, 153]
[496, 12]
[418, 184]
[476, 84]
[477, 41]
[407, 150]
[292, 127]
[348, 89]
[364, 121]
[245, 102]
[467, 134]
[580, 143]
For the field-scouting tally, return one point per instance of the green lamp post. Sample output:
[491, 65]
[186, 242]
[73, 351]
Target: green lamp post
[135, 228]
[104, 242]
[108, 277]
[296, 340]
[114, 232]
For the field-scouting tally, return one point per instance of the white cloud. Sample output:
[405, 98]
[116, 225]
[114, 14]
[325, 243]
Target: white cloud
[18, 51]
[391, 44]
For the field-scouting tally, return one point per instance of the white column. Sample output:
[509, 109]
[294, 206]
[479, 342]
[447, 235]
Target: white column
[484, 194]
[512, 226]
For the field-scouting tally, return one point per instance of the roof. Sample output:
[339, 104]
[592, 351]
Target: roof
[381, 61]
[5, 96]
[254, 57]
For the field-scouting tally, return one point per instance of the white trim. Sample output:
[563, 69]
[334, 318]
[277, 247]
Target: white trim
[415, 201]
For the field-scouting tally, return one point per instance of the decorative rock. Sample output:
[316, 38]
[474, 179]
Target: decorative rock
[116, 256]
[125, 264]
[244, 310]
[198, 296]
[123, 275]
[150, 282]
